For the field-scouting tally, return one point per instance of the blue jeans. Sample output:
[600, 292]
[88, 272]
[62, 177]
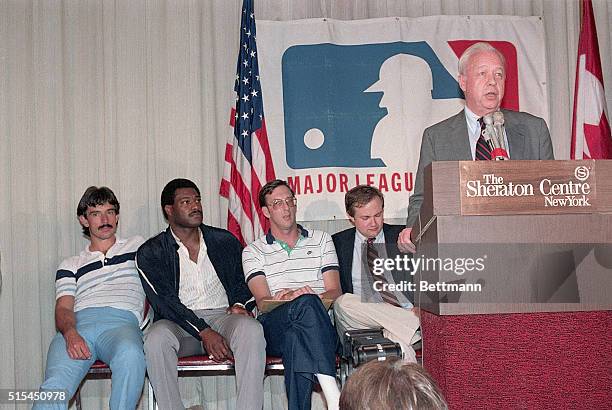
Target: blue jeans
[302, 334]
[112, 336]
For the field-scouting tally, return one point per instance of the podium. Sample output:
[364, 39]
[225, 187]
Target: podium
[514, 282]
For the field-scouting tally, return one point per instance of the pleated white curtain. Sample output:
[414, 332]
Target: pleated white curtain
[131, 94]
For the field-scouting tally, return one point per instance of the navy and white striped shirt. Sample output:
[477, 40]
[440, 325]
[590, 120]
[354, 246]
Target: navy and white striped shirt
[98, 280]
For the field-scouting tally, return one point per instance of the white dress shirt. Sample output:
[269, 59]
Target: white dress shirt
[199, 287]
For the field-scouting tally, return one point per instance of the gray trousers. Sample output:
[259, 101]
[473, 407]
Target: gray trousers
[166, 341]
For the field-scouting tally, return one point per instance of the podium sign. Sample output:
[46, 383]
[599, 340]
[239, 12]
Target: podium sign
[516, 257]
[515, 236]
[527, 187]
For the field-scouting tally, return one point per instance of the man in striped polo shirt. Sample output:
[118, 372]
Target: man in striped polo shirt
[99, 306]
[299, 266]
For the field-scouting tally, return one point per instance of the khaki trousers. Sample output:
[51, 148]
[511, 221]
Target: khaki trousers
[399, 324]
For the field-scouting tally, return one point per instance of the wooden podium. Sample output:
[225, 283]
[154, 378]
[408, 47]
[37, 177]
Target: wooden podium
[528, 323]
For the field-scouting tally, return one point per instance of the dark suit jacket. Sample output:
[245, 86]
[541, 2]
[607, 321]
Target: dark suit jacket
[344, 242]
[528, 138]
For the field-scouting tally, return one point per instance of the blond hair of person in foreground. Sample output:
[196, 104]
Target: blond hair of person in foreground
[391, 385]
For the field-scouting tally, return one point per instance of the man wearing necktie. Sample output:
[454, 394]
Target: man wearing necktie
[482, 77]
[367, 301]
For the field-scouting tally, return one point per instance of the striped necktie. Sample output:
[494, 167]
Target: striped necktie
[483, 152]
[372, 254]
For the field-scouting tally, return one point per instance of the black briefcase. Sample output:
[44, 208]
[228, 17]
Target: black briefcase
[368, 344]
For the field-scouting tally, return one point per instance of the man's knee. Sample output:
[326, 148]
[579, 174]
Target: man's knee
[64, 376]
[348, 302]
[130, 353]
[307, 301]
[346, 307]
[340, 304]
[160, 338]
[58, 382]
[309, 311]
[310, 308]
[251, 332]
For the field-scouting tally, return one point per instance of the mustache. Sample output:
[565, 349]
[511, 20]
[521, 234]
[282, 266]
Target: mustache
[196, 213]
[105, 226]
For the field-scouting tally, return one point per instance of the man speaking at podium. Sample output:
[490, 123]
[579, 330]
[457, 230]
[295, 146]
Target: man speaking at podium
[482, 77]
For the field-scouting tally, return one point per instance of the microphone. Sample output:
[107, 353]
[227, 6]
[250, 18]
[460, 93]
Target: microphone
[489, 132]
[500, 153]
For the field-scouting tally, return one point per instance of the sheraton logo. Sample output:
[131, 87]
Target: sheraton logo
[574, 192]
[495, 186]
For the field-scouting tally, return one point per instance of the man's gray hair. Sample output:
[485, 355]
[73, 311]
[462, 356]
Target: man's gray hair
[475, 49]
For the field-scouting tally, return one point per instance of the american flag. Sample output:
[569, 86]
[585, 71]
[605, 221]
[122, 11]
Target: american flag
[591, 138]
[248, 162]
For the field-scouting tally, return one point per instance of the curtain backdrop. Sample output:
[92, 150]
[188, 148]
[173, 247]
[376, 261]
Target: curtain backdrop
[131, 94]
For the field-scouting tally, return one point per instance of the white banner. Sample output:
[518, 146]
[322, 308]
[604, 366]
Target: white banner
[346, 102]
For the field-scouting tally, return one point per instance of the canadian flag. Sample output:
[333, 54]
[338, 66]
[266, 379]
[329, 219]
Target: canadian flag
[590, 127]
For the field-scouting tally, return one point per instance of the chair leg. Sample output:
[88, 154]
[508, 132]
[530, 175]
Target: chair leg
[151, 396]
[77, 398]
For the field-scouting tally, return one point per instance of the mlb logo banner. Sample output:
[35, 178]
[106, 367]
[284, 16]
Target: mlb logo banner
[347, 101]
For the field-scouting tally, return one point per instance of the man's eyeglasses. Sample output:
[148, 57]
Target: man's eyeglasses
[278, 203]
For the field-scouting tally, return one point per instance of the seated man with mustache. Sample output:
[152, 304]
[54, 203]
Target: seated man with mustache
[99, 305]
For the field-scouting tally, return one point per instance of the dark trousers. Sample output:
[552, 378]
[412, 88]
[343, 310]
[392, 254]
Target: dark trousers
[302, 334]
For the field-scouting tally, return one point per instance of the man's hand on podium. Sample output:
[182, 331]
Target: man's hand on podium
[404, 243]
